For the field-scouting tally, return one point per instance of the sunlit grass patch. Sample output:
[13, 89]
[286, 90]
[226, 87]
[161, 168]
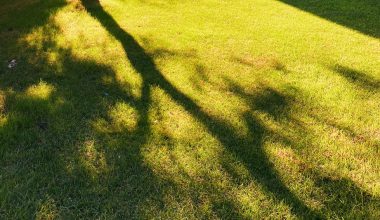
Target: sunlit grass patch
[42, 90]
[47, 210]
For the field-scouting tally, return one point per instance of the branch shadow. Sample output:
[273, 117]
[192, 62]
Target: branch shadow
[344, 199]
[356, 77]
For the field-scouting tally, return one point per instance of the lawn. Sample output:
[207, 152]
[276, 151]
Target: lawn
[207, 109]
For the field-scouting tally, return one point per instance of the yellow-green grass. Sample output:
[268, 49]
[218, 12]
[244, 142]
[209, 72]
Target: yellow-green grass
[205, 109]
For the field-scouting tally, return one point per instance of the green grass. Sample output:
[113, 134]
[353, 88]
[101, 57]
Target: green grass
[203, 109]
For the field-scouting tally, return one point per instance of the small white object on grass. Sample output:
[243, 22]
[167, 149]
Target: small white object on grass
[12, 64]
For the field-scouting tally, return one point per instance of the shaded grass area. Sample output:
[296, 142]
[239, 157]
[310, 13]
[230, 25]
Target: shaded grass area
[362, 16]
[81, 137]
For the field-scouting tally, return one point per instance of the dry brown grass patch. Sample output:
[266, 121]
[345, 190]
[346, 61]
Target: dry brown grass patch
[261, 62]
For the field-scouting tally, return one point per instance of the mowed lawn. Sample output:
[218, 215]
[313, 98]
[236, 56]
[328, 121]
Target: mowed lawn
[179, 109]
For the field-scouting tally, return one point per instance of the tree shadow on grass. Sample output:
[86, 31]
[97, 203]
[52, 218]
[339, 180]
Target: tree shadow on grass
[23, 15]
[54, 160]
[343, 198]
[249, 151]
[17, 18]
[362, 16]
[358, 78]
[50, 144]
